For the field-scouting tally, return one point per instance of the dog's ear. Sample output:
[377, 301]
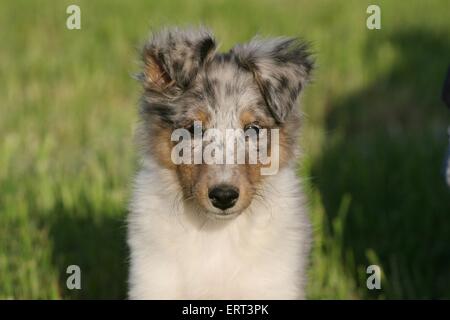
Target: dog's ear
[281, 68]
[173, 57]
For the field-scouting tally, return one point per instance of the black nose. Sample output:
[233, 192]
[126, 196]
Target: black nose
[223, 196]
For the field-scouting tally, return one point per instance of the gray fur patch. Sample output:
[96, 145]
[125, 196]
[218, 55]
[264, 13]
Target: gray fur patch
[281, 67]
[264, 76]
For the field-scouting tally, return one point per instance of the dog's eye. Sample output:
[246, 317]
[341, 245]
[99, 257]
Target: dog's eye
[196, 127]
[252, 129]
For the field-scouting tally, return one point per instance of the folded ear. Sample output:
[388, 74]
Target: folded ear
[281, 67]
[173, 57]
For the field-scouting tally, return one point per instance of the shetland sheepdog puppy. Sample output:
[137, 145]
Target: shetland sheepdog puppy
[218, 230]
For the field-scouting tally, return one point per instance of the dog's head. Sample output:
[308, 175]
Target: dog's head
[253, 87]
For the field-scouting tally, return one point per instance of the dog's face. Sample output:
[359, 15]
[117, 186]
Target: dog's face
[253, 87]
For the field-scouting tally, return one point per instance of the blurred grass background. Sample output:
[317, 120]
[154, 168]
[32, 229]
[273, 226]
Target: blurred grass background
[374, 138]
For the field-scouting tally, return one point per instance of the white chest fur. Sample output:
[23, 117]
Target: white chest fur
[177, 253]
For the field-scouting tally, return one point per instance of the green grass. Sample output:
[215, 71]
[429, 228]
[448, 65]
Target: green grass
[373, 136]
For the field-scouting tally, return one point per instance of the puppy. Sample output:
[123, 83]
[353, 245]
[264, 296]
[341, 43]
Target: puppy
[218, 231]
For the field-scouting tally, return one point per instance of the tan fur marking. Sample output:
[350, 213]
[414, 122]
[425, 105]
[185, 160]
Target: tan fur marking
[161, 145]
[155, 76]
